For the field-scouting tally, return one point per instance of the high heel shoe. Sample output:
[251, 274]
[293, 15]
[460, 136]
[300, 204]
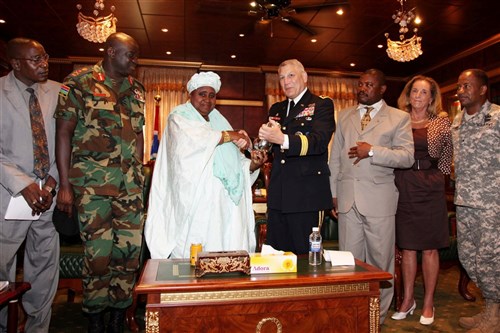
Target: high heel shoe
[402, 315]
[427, 321]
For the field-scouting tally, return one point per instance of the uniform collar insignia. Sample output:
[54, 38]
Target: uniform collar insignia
[138, 95]
[99, 76]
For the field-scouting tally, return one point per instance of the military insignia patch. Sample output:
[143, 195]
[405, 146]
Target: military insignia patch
[138, 95]
[487, 120]
[64, 91]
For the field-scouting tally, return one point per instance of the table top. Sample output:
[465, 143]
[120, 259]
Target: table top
[13, 291]
[177, 275]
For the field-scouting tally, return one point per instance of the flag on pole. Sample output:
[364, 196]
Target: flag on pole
[156, 142]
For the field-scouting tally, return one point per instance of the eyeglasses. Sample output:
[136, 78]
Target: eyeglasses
[38, 59]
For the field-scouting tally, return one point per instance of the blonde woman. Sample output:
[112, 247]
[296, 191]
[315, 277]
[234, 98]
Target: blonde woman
[421, 218]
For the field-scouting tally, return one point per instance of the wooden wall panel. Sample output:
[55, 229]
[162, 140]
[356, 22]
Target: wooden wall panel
[254, 88]
[233, 114]
[254, 117]
[243, 86]
[486, 59]
[232, 85]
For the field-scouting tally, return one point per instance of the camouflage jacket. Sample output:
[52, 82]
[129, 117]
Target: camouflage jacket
[477, 158]
[104, 141]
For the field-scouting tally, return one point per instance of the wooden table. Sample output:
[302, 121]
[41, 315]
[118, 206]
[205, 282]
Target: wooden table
[315, 299]
[11, 296]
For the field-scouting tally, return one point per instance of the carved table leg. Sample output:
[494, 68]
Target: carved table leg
[374, 315]
[152, 321]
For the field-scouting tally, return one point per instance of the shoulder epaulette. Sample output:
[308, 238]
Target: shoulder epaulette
[323, 97]
[81, 71]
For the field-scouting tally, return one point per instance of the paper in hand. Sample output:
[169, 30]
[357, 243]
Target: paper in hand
[19, 209]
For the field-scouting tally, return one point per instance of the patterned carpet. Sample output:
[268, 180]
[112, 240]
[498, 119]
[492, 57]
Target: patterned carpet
[68, 318]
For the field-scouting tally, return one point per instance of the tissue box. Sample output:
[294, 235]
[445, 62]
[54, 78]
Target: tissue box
[273, 263]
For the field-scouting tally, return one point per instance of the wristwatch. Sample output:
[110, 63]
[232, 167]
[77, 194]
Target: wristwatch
[370, 153]
[51, 190]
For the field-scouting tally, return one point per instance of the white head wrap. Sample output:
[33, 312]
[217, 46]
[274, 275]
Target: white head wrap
[204, 79]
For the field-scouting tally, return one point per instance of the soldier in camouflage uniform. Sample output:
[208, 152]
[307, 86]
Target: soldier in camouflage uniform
[475, 133]
[99, 156]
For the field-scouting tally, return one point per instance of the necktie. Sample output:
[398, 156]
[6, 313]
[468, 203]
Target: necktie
[40, 147]
[366, 117]
[291, 104]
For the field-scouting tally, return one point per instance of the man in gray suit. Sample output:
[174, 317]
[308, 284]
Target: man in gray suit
[24, 92]
[372, 139]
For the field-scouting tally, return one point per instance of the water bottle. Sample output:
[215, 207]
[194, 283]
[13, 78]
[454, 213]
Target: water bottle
[315, 247]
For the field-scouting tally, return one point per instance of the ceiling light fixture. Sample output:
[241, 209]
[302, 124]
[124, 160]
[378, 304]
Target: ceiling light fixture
[340, 11]
[96, 29]
[405, 49]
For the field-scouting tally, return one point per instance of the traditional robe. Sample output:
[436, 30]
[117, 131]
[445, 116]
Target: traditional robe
[188, 203]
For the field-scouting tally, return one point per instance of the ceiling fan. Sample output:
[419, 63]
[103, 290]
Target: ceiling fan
[282, 10]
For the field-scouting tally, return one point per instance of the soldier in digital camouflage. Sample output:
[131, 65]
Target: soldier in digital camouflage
[99, 118]
[475, 132]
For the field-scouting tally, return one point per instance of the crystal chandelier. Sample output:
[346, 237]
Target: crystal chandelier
[404, 49]
[99, 28]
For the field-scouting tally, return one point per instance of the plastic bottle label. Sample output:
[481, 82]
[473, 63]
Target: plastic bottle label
[315, 246]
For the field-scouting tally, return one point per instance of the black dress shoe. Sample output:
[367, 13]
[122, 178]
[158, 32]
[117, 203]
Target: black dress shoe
[116, 320]
[96, 322]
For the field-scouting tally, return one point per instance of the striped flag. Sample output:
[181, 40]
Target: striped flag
[156, 141]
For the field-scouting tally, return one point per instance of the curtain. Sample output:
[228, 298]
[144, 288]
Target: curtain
[170, 85]
[341, 90]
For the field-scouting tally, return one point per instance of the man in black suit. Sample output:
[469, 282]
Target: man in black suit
[300, 129]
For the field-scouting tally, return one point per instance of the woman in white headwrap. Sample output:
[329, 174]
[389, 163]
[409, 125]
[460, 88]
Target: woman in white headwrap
[201, 188]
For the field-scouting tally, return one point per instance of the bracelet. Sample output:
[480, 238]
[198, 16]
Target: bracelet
[225, 137]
